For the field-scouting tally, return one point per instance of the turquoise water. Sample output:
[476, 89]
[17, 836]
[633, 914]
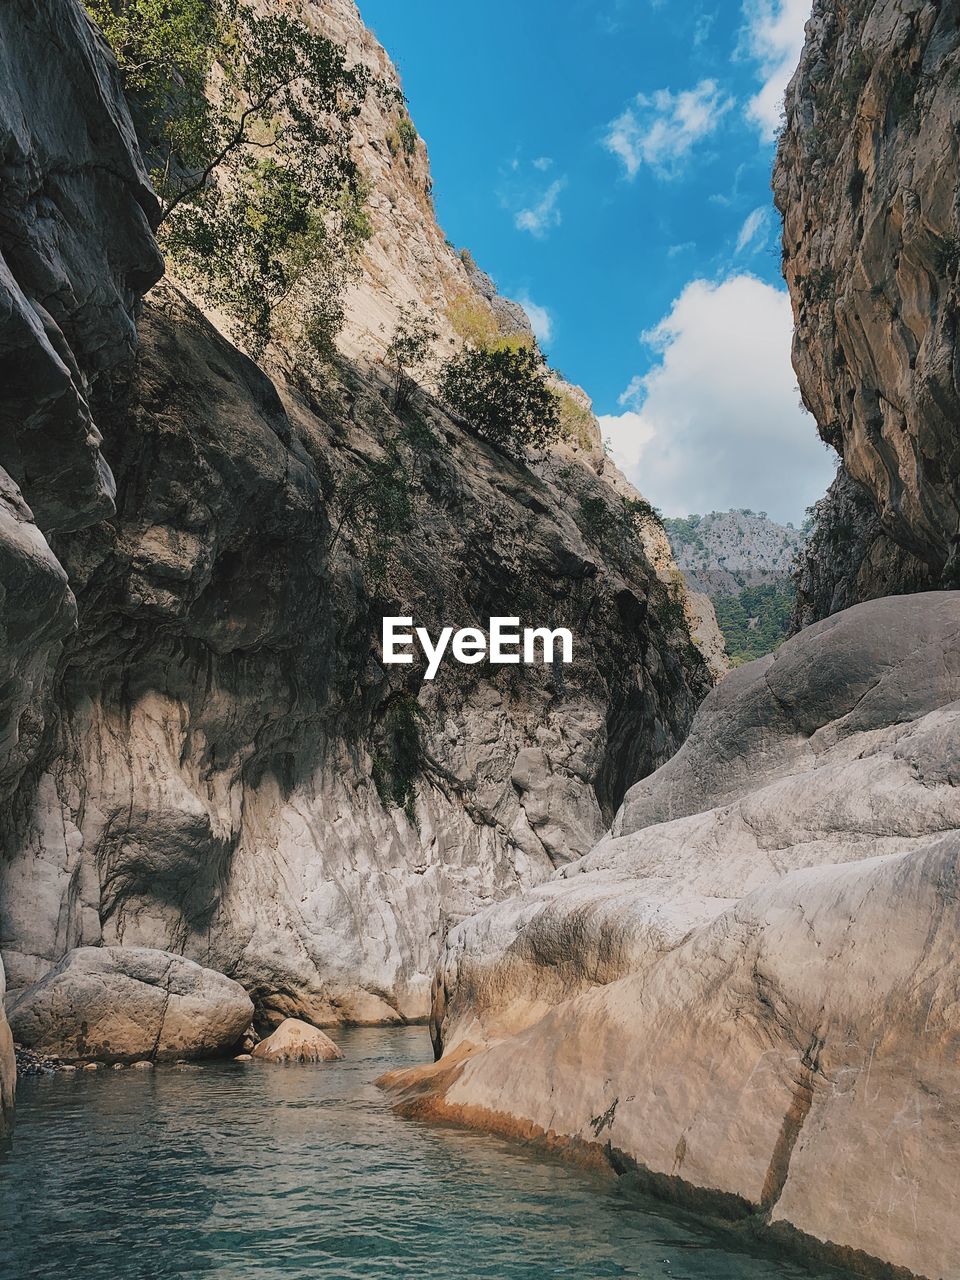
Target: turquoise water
[239, 1170]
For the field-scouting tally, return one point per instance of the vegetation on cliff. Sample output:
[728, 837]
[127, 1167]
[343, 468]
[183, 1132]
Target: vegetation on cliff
[245, 118]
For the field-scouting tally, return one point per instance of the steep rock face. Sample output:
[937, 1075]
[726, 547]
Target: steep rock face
[724, 551]
[223, 706]
[866, 179]
[746, 992]
[70, 167]
[849, 558]
[212, 757]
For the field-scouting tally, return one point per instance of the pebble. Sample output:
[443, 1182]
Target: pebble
[32, 1063]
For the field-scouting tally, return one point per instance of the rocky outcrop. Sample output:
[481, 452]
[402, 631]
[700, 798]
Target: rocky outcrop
[215, 762]
[866, 179]
[849, 558]
[117, 1004]
[745, 993]
[724, 551]
[296, 1041]
[71, 170]
[212, 786]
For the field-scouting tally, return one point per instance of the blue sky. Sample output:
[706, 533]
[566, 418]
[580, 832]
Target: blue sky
[608, 162]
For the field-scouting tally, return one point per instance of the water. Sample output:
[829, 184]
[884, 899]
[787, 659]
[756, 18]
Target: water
[239, 1170]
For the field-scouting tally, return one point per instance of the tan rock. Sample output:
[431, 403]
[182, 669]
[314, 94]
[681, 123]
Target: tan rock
[750, 984]
[296, 1041]
[116, 1004]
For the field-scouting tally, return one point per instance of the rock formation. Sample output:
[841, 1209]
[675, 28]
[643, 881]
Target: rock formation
[296, 1041]
[117, 1004]
[724, 551]
[866, 179]
[746, 993]
[744, 563]
[200, 750]
[849, 557]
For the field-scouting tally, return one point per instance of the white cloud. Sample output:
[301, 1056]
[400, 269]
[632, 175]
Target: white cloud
[716, 423]
[773, 37]
[544, 214]
[540, 319]
[754, 225]
[660, 130]
[627, 435]
[543, 163]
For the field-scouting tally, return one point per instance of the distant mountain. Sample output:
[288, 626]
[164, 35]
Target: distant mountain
[725, 551]
[743, 561]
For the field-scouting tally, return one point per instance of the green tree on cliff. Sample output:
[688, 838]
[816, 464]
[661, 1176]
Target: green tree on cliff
[246, 118]
[503, 395]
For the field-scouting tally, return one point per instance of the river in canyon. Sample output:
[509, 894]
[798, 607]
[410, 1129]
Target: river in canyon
[235, 1170]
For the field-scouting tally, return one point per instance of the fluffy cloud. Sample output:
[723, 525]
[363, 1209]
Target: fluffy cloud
[716, 423]
[661, 129]
[754, 225]
[773, 37]
[540, 318]
[544, 214]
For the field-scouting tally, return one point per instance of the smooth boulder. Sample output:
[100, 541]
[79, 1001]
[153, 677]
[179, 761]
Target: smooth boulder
[117, 1004]
[296, 1041]
[747, 993]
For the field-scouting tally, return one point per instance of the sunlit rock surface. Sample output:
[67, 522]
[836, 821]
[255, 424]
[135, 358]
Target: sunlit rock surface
[196, 752]
[118, 1004]
[750, 984]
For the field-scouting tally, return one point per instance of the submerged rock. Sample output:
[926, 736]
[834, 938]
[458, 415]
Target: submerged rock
[748, 989]
[296, 1041]
[117, 1004]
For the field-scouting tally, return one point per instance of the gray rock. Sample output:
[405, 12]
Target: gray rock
[510, 316]
[866, 179]
[119, 1004]
[196, 770]
[850, 558]
[748, 989]
[76, 249]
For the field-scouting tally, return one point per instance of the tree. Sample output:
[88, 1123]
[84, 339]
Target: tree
[408, 349]
[504, 396]
[246, 118]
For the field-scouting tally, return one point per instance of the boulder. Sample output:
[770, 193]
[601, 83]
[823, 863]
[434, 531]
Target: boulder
[747, 992]
[118, 1004]
[296, 1041]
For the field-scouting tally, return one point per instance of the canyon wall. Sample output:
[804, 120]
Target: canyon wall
[866, 180]
[200, 749]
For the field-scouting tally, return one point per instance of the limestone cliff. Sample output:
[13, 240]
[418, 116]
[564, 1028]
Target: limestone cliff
[200, 749]
[724, 551]
[866, 180]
